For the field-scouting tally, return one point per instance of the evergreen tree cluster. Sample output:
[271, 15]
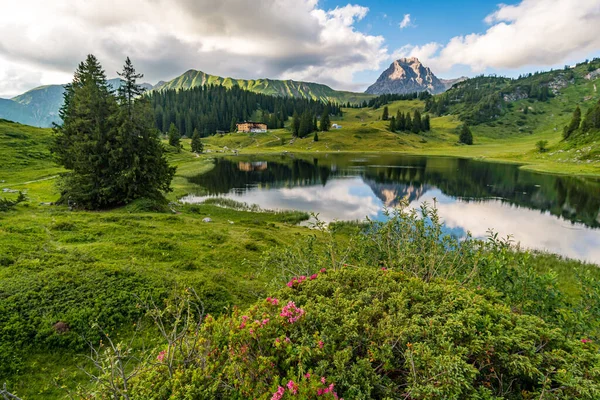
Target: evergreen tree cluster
[589, 124]
[384, 99]
[215, 108]
[107, 141]
[306, 123]
[405, 123]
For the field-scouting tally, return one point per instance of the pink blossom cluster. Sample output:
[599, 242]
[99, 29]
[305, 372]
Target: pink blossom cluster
[244, 319]
[291, 312]
[161, 356]
[329, 389]
[272, 301]
[296, 281]
[584, 341]
[279, 393]
[292, 387]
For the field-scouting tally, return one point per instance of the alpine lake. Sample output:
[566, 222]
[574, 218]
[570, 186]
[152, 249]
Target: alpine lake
[558, 214]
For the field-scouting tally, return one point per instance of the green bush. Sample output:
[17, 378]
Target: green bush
[370, 333]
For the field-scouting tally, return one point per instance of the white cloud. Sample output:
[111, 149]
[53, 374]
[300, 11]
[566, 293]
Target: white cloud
[405, 23]
[532, 32]
[240, 38]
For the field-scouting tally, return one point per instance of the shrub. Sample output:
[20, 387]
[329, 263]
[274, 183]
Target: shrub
[541, 145]
[373, 333]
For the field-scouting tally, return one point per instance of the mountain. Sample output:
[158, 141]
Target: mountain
[288, 88]
[448, 83]
[408, 75]
[39, 106]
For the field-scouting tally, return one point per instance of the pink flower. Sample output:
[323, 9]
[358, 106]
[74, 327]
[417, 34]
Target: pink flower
[251, 331]
[307, 375]
[278, 394]
[242, 325]
[323, 380]
[292, 387]
[291, 312]
[584, 341]
[384, 269]
[321, 344]
[264, 322]
[161, 356]
[272, 300]
[323, 270]
[287, 340]
[321, 392]
[313, 277]
[290, 283]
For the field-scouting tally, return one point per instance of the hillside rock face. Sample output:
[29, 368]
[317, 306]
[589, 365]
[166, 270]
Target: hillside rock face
[408, 75]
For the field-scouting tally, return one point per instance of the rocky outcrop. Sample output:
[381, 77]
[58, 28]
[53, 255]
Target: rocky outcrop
[407, 75]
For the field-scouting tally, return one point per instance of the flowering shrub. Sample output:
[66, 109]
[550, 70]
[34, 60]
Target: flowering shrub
[368, 333]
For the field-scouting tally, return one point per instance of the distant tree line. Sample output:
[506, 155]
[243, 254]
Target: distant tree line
[384, 99]
[308, 122]
[209, 109]
[405, 123]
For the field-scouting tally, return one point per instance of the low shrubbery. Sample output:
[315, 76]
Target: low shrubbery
[398, 310]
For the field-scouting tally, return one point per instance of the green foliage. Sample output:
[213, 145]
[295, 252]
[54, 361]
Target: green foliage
[386, 113]
[541, 145]
[316, 137]
[7, 204]
[325, 122]
[397, 310]
[107, 142]
[392, 126]
[197, 145]
[174, 136]
[574, 124]
[592, 119]
[465, 136]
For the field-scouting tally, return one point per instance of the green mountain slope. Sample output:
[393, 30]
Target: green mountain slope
[289, 88]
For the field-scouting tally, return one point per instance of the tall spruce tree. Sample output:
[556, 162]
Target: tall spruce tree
[174, 136]
[416, 122]
[401, 122]
[392, 126]
[386, 113]
[408, 122]
[426, 123]
[197, 145]
[108, 143]
[465, 136]
[306, 124]
[295, 124]
[325, 123]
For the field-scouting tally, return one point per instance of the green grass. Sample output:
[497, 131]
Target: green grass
[364, 131]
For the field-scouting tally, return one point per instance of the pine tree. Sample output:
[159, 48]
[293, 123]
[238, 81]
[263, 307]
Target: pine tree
[306, 124]
[316, 137]
[392, 126]
[174, 136]
[426, 123]
[233, 125]
[197, 145]
[295, 124]
[574, 124]
[401, 122]
[108, 143]
[325, 121]
[416, 122]
[408, 123]
[386, 113]
[315, 124]
[465, 136]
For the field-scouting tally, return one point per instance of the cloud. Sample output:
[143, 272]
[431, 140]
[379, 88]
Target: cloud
[292, 39]
[405, 23]
[532, 32]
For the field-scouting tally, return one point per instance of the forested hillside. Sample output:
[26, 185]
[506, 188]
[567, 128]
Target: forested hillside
[217, 108]
[515, 104]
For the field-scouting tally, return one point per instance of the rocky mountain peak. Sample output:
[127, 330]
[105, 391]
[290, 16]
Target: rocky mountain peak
[407, 75]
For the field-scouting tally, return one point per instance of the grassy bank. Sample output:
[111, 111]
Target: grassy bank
[364, 131]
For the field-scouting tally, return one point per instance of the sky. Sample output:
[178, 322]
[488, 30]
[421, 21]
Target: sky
[341, 44]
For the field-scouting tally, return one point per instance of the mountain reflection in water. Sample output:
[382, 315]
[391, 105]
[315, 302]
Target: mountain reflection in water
[541, 211]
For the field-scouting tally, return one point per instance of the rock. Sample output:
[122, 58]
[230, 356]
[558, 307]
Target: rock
[593, 75]
[207, 220]
[61, 327]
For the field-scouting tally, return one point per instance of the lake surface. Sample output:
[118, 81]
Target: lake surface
[546, 212]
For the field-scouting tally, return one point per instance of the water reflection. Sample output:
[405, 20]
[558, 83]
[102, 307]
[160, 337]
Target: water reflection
[559, 214]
